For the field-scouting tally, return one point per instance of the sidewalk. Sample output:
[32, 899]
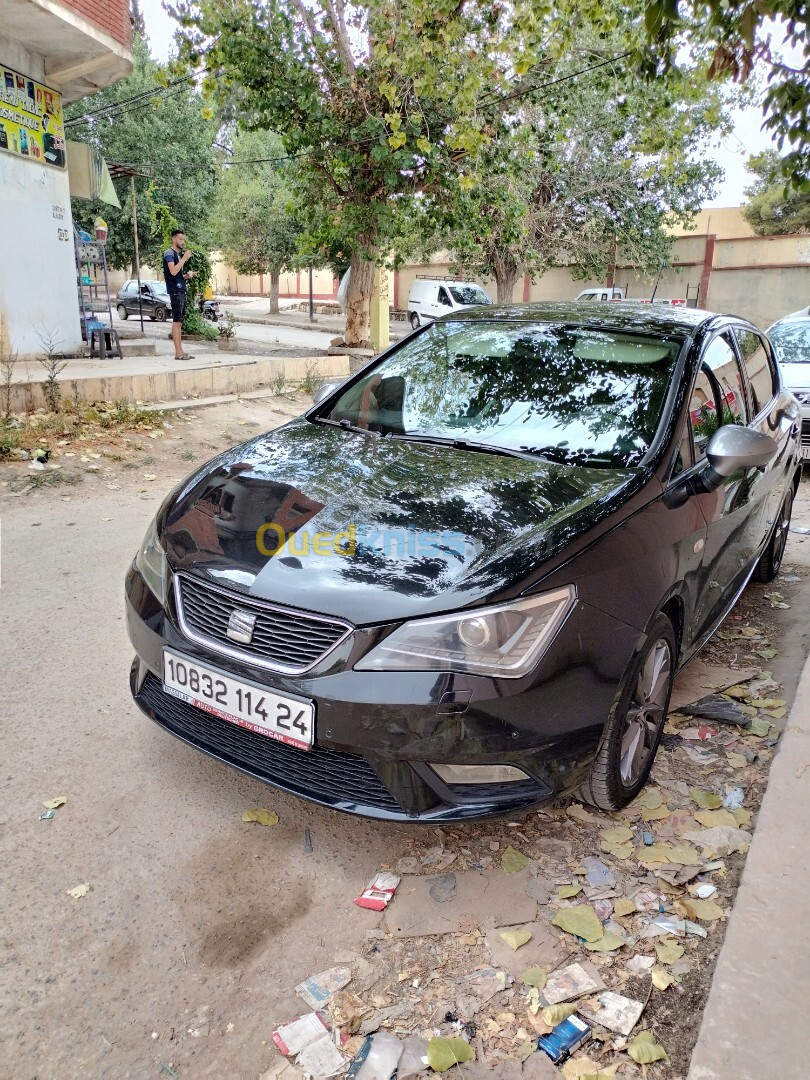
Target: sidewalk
[254, 311]
[755, 1022]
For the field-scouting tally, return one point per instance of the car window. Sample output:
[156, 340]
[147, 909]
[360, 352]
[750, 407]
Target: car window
[791, 341]
[761, 375]
[444, 298]
[588, 296]
[568, 394]
[703, 417]
[719, 357]
[469, 294]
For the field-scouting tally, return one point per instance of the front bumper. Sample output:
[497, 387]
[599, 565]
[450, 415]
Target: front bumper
[377, 732]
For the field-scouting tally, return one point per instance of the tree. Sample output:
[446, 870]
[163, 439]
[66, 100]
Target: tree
[254, 220]
[774, 207]
[744, 36]
[154, 132]
[601, 163]
[378, 99]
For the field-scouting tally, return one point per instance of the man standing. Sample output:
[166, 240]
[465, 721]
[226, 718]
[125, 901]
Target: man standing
[174, 259]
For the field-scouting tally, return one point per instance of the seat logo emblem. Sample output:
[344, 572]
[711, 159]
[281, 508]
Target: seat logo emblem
[240, 626]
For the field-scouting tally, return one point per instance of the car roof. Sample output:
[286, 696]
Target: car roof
[618, 315]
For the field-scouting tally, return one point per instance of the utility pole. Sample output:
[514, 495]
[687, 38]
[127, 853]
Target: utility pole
[137, 252]
[311, 297]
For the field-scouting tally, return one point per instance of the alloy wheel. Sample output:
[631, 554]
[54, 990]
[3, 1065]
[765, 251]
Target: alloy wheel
[645, 713]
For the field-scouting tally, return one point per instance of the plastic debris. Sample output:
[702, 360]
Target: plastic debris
[722, 839]
[47, 815]
[54, 804]
[321, 1058]
[379, 892]
[644, 1050]
[703, 892]
[79, 891]
[734, 798]
[598, 873]
[382, 1053]
[661, 978]
[515, 938]
[443, 1054]
[307, 842]
[261, 817]
[615, 1012]
[640, 964]
[649, 839]
[570, 982]
[414, 1057]
[581, 921]
[318, 989]
[566, 1037]
[513, 861]
[291, 1038]
[718, 708]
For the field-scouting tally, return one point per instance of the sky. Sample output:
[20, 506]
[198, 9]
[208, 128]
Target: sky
[730, 153]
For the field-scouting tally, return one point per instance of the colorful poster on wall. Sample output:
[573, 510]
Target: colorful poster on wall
[31, 121]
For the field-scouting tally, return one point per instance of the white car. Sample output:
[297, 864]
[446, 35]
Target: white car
[790, 338]
[429, 298]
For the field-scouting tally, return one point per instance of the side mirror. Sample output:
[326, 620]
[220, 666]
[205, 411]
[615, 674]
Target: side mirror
[323, 392]
[732, 448]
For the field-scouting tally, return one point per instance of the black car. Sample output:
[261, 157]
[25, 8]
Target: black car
[462, 583]
[154, 300]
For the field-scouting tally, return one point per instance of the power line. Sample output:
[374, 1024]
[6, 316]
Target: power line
[159, 91]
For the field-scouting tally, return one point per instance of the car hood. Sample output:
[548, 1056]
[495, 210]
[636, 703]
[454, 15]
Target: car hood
[796, 376]
[379, 530]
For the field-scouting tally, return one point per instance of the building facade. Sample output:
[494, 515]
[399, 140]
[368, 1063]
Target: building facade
[52, 52]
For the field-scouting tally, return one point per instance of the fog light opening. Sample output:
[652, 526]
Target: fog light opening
[480, 774]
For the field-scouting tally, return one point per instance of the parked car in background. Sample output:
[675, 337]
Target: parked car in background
[461, 584]
[430, 298]
[154, 300]
[790, 338]
[600, 292]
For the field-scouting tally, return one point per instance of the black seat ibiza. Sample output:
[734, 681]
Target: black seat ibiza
[462, 583]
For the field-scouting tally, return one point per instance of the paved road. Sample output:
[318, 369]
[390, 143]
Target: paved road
[291, 336]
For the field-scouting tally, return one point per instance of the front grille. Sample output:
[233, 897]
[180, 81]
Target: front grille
[283, 639]
[805, 432]
[326, 775]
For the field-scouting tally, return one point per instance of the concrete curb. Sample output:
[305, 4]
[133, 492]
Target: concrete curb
[181, 383]
[755, 1021]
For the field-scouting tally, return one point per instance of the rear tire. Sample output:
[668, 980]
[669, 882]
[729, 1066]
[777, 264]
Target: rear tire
[122, 312]
[415, 321]
[771, 559]
[630, 740]
[160, 314]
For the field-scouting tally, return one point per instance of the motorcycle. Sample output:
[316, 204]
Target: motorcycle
[211, 310]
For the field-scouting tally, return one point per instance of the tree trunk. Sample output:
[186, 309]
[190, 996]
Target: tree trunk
[506, 278]
[358, 302]
[273, 294]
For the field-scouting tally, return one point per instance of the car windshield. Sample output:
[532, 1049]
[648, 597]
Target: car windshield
[156, 286]
[568, 394]
[469, 294]
[791, 342]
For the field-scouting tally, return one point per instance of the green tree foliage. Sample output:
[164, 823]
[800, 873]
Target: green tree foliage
[164, 129]
[601, 164]
[254, 219]
[773, 206]
[745, 36]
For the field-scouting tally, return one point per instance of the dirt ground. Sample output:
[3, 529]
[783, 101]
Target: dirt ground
[183, 956]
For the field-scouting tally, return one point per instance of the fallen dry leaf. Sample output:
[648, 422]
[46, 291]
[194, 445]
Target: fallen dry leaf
[607, 943]
[513, 861]
[262, 817]
[52, 804]
[555, 1014]
[80, 890]
[705, 910]
[708, 800]
[661, 978]
[581, 921]
[668, 950]
[623, 906]
[515, 938]
[644, 1049]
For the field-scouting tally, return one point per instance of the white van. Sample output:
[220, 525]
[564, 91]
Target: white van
[430, 297]
[600, 292]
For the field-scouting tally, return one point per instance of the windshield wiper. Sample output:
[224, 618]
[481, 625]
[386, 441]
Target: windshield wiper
[346, 425]
[463, 444]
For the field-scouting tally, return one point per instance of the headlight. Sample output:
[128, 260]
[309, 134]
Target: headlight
[151, 561]
[504, 642]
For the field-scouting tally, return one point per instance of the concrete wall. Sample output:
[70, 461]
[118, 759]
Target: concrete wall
[228, 283]
[38, 290]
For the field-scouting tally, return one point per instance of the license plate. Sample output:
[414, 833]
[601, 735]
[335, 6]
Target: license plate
[289, 720]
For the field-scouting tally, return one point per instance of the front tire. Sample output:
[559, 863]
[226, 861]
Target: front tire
[122, 312]
[771, 559]
[160, 314]
[630, 740]
[416, 322]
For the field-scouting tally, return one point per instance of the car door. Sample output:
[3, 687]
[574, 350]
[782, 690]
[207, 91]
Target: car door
[443, 302]
[734, 511]
[128, 294]
[769, 418]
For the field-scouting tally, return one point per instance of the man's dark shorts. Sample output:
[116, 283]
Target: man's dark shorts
[178, 300]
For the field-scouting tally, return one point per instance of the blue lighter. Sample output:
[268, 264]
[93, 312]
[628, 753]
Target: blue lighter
[564, 1039]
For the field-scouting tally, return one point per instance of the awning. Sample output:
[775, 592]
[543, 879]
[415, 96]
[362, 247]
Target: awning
[88, 174]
